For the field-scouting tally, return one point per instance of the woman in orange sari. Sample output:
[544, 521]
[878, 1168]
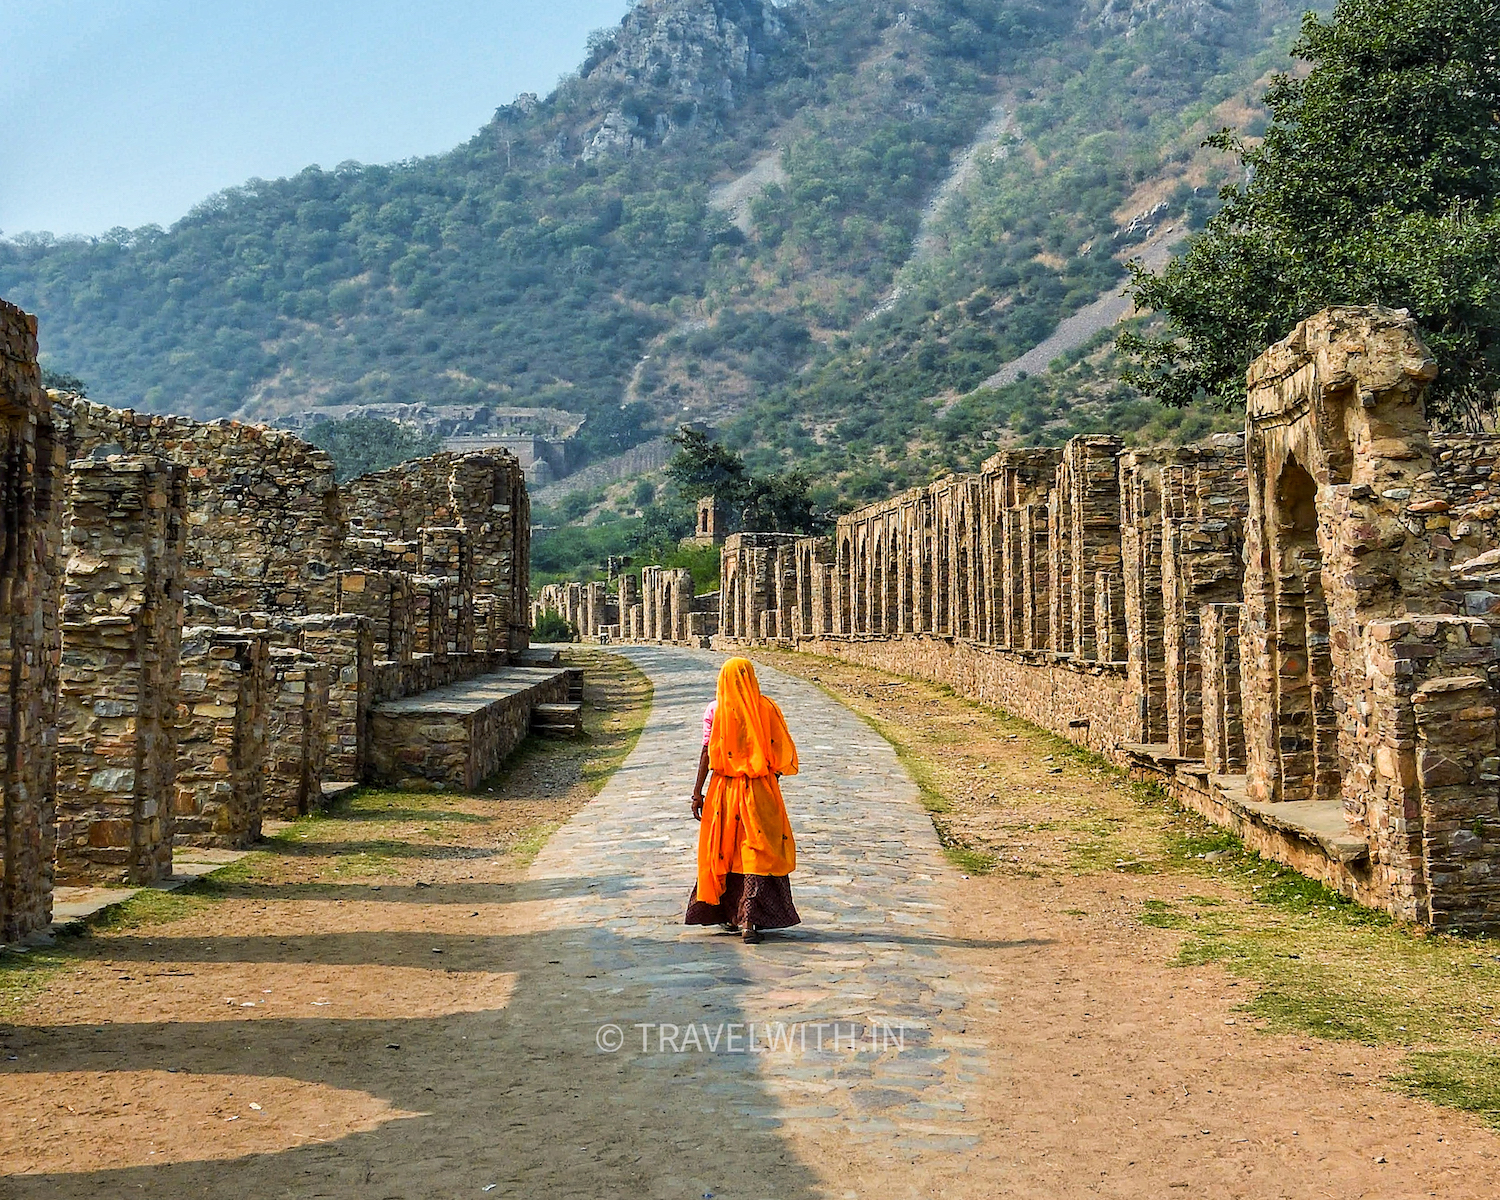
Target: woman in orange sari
[745, 848]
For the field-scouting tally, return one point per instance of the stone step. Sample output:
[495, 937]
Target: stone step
[458, 735]
[557, 720]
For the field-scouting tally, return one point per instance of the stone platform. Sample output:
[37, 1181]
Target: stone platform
[456, 736]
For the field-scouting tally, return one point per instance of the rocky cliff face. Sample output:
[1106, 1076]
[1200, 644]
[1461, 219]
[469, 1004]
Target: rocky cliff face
[1203, 19]
[676, 63]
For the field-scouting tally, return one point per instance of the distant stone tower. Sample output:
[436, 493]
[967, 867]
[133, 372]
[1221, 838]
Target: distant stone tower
[709, 529]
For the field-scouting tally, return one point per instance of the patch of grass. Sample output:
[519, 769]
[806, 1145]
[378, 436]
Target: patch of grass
[531, 842]
[1159, 914]
[243, 870]
[972, 862]
[1468, 1080]
[151, 907]
[23, 975]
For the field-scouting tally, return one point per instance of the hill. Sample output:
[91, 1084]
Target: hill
[818, 226]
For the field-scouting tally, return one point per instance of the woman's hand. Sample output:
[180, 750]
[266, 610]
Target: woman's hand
[697, 806]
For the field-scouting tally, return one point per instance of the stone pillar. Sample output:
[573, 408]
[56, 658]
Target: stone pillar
[755, 593]
[221, 737]
[1109, 628]
[1094, 510]
[650, 598]
[385, 597]
[1458, 771]
[1034, 578]
[296, 734]
[627, 605]
[682, 604]
[1223, 711]
[484, 626]
[430, 616]
[32, 463]
[444, 551]
[1060, 565]
[595, 605]
[345, 646]
[1201, 565]
[117, 712]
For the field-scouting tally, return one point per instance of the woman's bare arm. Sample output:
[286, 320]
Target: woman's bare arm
[697, 802]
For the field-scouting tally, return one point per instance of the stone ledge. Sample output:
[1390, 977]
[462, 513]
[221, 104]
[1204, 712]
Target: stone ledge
[1319, 821]
[1318, 824]
[456, 736]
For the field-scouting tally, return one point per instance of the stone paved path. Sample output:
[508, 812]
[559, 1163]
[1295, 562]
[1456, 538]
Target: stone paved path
[866, 973]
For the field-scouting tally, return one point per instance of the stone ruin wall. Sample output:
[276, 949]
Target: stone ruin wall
[429, 500]
[190, 639]
[662, 607]
[32, 463]
[265, 521]
[118, 715]
[1291, 629]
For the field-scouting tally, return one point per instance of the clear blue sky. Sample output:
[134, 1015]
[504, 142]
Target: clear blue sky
[125, 112]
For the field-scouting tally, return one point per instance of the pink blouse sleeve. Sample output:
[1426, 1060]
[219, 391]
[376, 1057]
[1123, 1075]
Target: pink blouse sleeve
[708, 719]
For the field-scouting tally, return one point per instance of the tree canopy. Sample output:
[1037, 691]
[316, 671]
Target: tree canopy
[771, 503]
[1378, 181]
[360, 445]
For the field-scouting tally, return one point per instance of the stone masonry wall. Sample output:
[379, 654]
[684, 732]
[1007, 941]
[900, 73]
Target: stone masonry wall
[265, 525]
[32, 464]
[117, 711]
[484, 494]
[221, 735]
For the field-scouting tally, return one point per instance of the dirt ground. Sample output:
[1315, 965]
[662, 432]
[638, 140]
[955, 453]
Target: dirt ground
[1156, 1012]
[321, 954]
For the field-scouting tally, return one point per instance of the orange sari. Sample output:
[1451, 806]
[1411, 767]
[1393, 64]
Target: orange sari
[745, 828]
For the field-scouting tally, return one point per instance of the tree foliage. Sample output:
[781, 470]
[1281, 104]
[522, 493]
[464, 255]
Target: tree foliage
[779, 502]
[61, 381]
[1378, 182]
[360, 445]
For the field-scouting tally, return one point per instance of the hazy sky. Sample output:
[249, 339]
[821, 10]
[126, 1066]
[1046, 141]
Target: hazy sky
[125, 112]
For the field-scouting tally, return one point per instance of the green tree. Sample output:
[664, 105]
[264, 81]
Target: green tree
[552, 626]
[780, 504]
[61, 381]
[360, 445]
[702, 467]
[1378, 182]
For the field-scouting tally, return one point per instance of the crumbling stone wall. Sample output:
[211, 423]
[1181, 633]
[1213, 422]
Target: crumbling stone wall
[226, 686]
[344, 646]
[663, 606]
[265, 527]
[484, 494]
[32, 458]
[238, 533]
[1292, 629]
[117, 710]
[296, 734]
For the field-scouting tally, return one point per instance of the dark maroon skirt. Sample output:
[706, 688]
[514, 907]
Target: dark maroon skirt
[764, 901]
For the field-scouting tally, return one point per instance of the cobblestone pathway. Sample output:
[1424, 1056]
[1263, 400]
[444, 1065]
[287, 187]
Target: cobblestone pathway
[866, 1013]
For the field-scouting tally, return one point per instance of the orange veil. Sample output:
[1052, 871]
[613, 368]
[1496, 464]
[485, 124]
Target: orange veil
[745, 826]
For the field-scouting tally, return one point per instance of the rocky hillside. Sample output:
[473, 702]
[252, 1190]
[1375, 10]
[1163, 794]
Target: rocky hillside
[818, 226]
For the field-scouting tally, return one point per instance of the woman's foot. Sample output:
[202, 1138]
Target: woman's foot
[728, 928]
[751, 935]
